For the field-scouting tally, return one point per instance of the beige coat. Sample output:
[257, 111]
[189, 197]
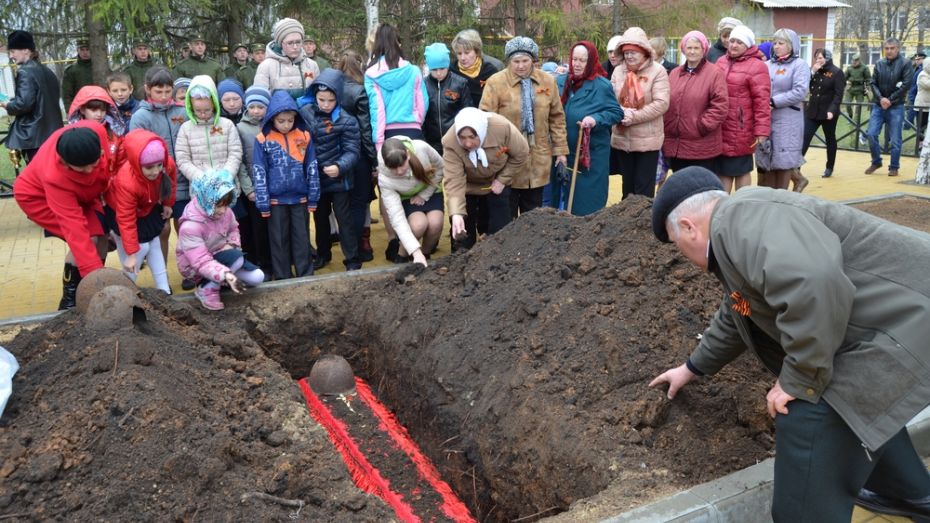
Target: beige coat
[502, 95]
[508, 155]
[393, 188]
[279, 72]
[647, 131]
[201, 147]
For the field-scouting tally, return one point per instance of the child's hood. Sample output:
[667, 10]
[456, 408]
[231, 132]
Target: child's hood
[280, 102]
[332, 79]
[205, 82]
[134, 143]
[89, 93]
[393, 79]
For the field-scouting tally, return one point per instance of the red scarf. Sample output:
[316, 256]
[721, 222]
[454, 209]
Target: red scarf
[591, 71]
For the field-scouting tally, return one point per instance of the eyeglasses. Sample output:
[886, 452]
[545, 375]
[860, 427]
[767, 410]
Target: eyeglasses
[292, 43]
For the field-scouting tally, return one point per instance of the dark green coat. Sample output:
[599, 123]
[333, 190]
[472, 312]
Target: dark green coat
[244, 74]
[858, 79]
[203, 65]
[136, 70]
[77, 75]
[838, 305]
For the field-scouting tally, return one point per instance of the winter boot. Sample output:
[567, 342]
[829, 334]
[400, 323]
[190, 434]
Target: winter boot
[392, 248]
[70, 279]
[799, 180]
[365, 253]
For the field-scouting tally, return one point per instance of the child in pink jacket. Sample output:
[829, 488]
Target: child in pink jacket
[208, 250]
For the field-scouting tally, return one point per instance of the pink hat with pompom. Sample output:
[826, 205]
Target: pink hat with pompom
[153, 153]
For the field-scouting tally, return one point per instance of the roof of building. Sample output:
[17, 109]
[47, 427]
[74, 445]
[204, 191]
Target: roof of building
[814, 4]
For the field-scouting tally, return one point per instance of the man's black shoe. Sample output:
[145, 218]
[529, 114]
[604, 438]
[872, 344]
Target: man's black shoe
[918, 509]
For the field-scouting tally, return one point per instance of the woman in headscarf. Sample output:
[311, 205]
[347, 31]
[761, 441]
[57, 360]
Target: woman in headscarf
[482, 154]
[641, 87]
[588, 99]
[780, 159]
[823, 109]
[530, 99]
[749, 116]
[697, 108]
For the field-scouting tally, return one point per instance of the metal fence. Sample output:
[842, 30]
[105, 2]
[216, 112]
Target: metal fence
[854, 123]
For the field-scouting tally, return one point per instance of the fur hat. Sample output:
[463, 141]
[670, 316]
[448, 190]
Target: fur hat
[284, 27]
[521, 44]
[19, 39]
[743, 34]
[257, 95]
[727, 22]
[437, 56]
[676, 189]
[78, 146]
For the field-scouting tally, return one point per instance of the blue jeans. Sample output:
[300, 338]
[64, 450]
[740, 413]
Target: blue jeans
[893, 117]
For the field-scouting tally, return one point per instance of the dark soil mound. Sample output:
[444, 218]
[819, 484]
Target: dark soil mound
[520, 367]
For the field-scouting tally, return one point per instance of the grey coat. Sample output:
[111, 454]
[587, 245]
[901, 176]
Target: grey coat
[790, 81]
[838, 305]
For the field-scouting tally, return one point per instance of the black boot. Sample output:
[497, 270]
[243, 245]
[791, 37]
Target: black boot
[70, 279]
[392, 247]
[917, 509]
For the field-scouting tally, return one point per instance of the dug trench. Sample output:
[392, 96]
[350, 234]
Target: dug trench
[520, 368]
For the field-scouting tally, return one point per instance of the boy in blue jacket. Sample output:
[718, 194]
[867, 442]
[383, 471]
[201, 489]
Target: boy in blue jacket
[287, 185]
[337, 140]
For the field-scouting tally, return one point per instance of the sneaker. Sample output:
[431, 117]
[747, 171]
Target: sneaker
[862, 139]
[827, 173]
[187, 284]
[872, 168]
[892, 172]
[209, 297]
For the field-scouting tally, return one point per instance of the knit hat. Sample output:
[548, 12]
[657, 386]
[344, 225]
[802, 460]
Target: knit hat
[743, 34]
[437, 56]
[79, 146]
[676, 189]
[182, 83]
[257, 95]
[19, 39]
[153, 153]
[613, 42]
[521, 44]
[550, 67]
[697, 35]
[766, 49]
[727, 22]
[229, 86]
[284, 27]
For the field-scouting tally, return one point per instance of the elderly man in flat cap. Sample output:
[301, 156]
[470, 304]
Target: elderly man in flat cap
[809, 288]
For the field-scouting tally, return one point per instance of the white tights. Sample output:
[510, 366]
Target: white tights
[251, 278]
[151, 253]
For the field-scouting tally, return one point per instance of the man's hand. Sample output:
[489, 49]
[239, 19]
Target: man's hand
[331, 170]
[829, 115]
[885, 103]
[496, 188]
[676, 379]
[777, 400]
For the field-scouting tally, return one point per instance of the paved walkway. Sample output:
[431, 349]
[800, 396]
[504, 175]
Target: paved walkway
[31, 266]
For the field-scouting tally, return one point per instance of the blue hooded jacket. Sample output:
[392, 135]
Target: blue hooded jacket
[335, 134]
[284, 169]
[397, 98]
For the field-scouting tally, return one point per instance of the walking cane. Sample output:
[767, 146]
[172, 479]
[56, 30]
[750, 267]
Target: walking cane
[571, 192]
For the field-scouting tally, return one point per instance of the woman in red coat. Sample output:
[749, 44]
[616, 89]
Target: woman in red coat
[139, 202]
[60, 190]
[749, 119]
[698, 106]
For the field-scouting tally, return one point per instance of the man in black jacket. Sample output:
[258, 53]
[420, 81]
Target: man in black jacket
[35, 106]
[890, 82]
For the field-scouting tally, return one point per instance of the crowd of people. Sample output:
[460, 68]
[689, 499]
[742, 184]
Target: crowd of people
[473, 140]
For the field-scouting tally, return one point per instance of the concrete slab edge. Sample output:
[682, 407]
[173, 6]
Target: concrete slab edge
[744, 496]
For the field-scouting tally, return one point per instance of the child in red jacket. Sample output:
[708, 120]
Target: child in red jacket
[139, 202]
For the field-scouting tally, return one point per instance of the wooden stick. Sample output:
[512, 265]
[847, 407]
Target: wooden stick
[115, 358]
[571, 192]
[294, 503]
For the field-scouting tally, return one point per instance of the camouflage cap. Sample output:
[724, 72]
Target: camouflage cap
[309, 38]
[240, 44]
[82, 42]
[197, 37]
[140, 42]
[257, 47]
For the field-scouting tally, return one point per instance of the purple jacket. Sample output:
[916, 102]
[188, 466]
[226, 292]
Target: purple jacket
[790, 81]
[199, 237]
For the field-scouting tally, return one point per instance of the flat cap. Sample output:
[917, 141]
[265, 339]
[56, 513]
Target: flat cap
[676, 189]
